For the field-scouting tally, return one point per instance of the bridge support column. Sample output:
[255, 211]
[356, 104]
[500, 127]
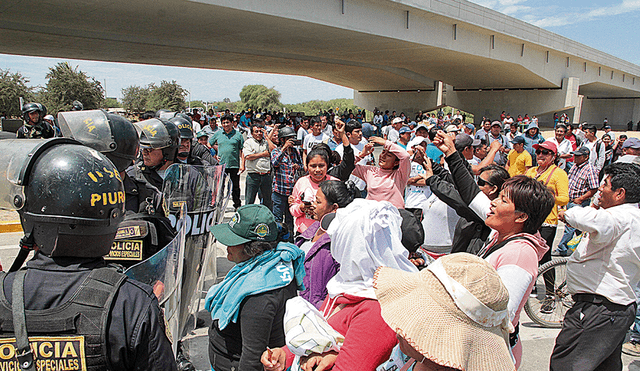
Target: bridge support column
[539, 102]
[617, 111]
[409, 102]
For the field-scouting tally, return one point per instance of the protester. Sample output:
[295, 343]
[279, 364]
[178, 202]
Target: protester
[364, 236]
[387, 182]
[248, 306]
[448, 328]
[319, 264]
[556, 180]
[304, 191]
[532, 136]
[519, 160]
[563, 145]
[597, 149]
[257, 161]
[228, 143]
[601, 275]
[286, 161]
[583, 184]
[316, 136]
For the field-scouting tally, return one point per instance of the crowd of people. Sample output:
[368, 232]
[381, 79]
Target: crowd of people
[421, 257]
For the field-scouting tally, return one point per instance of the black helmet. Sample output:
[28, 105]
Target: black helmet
[286, 132]
[77, 106]
[160, 134]
[70, 197]
[108, 133]
[33, 107]
[184, 126]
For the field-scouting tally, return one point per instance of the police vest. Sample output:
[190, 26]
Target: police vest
[71, 336]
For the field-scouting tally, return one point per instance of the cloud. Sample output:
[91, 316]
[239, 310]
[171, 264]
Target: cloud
[544, 14]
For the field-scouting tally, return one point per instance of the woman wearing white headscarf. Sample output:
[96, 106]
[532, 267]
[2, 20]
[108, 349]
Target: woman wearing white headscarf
[364, 236]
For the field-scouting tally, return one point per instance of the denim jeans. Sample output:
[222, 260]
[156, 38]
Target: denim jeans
[281, 208]
[569, 231]
[261, 182]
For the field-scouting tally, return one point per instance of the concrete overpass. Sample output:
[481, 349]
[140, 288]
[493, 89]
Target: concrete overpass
[405, 55]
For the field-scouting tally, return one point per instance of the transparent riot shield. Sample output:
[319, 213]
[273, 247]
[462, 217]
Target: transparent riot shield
[201, 190]
[88, 127]
[163, 272]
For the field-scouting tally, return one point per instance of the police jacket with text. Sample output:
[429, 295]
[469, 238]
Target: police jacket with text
[133, 327]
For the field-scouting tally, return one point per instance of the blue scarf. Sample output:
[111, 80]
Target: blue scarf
[268, 271]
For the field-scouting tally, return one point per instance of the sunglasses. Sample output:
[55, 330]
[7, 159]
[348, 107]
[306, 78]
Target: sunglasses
[481, 182]
[543, 152]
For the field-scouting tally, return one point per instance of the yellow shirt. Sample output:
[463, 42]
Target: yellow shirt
[518, 162]
[559, 186]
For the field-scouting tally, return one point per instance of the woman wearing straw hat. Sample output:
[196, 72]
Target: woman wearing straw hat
[458, 319]
[364, 235]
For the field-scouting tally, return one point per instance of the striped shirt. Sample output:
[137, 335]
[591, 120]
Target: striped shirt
[582, 178]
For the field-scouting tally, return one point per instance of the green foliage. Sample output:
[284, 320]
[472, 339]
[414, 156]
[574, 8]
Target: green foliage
[12, 87]
[223, 105]
[66, 84]
[315, 106]
[168, 95]
[111, 103]
[260, 97]
[134, 98]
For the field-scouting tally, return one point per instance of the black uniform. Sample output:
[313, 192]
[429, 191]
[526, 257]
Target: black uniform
[40, 130]
[135, 327]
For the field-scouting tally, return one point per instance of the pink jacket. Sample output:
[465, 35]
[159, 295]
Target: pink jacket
[387, 185]
[517, 266]
[304, 184]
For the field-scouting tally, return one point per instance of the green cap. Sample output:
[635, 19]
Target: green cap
[249, 223]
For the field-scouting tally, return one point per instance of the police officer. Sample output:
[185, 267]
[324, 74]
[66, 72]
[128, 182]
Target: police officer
[34, 125]
[160, 140]
[186, 141]
[86, 315]
[117, 138]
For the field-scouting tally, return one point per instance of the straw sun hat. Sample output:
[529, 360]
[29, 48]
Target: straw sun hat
[454, 312]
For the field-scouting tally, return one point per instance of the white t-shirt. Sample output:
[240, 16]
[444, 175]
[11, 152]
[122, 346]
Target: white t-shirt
[328, 130]
[302, 133]
[416, 196]
[368, 160]
[310, 140]
[563, 148]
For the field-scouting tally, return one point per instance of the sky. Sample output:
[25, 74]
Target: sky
[607, 25]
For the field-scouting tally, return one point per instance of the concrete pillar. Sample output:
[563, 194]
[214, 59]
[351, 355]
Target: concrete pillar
[617, 112]
[409, 102]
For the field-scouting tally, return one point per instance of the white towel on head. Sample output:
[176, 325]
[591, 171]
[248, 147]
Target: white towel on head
[365, 235]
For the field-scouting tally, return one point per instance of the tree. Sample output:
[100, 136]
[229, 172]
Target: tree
[260, 97]
[12, 87]
[66, 84]
[111, 103]
[168, 95]
[134, 98]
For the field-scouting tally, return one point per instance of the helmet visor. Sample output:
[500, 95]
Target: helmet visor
[15, 157]
[90, 128]
[153, 134]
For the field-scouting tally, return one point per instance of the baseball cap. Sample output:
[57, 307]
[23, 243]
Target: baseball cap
[546, 145]
[201, 134]
[465, 140]
[582, 151]
[421, 125]
[451, 129]
[518, 139]
[498, 123]
[416, 141]
[404, 129]
[250, 223]
[396, 120]
[470, 126]
[631, 143]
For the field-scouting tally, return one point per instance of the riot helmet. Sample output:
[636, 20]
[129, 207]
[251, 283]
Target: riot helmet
[160, 134]
[33, 107]
[70, 197]
[77, 106]
[108, 133]
[184, 126]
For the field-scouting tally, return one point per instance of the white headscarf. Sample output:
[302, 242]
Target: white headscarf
[365, 235]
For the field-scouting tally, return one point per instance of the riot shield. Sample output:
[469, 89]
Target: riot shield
[163, 272]
[201, 190]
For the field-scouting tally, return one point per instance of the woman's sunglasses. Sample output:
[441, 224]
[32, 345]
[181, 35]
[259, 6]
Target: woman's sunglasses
[481, 182]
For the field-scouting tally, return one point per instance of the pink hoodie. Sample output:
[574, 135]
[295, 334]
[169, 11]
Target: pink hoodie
[517, 266]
